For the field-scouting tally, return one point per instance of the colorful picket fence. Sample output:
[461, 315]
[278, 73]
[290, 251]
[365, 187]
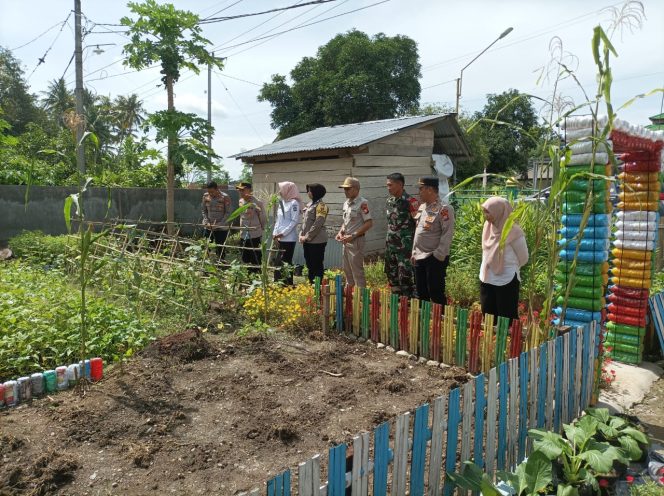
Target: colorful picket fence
[486, 421]
[449, 334]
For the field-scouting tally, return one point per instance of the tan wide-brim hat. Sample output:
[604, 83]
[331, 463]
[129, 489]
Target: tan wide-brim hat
[350, 182]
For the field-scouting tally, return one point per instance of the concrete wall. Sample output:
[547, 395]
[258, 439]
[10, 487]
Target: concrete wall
[44, 208]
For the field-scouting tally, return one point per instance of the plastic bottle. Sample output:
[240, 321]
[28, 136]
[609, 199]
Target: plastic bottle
[50, 381]
[61, 378]
[96, 369]
[37, 383]
[11, 393]
[2, 395]
[73, 373]
[24, 389]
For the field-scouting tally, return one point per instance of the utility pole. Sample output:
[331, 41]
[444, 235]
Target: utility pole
[209, 143]
[78, 92]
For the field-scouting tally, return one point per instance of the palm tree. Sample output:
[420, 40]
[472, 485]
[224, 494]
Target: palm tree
[129, 114]
[58, 99]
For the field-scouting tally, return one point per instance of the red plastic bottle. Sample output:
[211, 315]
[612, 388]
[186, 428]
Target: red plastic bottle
[96, 369]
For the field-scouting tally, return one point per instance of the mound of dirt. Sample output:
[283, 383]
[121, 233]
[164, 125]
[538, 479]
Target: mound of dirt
[44, 476]
[186, 346]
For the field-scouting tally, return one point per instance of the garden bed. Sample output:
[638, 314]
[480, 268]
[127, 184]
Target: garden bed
[198, 413]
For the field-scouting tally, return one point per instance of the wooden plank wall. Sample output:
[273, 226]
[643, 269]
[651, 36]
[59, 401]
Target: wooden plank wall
[425, 448]
[408, 152]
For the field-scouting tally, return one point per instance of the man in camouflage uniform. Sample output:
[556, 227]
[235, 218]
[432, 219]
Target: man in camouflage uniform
[401, 210]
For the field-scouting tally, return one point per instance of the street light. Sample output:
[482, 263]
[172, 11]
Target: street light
[460, 78]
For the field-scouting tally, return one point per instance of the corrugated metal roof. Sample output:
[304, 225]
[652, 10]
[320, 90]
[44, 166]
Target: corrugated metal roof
[354, 135]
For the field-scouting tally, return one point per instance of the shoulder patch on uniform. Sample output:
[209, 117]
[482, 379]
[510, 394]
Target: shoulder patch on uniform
[413, 204]
[321, 210]
[444, 213]
[365, 207]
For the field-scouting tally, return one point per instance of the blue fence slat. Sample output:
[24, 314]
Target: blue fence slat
[541, 389]
[280, 485]
[572, 374]
[336, 478]
[339, 314]
[453, 418]
[480, 405]
[502, 415]
[287, 483]
[523, 404]
[585, 367]
[381, 458]
[558, 381]
[421, 436]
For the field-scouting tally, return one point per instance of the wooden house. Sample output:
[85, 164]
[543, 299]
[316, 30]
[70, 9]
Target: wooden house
[368, 151]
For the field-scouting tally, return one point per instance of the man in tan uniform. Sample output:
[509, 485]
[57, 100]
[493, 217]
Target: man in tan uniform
[356, 222]
[252, 221]
[431, 246]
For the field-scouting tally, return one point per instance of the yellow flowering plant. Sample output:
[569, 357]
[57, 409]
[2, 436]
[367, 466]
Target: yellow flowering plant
[288, 307]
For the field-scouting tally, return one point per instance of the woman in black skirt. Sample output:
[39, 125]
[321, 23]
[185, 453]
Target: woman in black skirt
[313, 235]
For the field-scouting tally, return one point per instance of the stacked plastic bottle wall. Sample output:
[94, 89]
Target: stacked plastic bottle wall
[636, 220]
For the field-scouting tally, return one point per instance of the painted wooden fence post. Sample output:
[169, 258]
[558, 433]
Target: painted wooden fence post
[594, 384]
[578, 406]
[436, 330]
[565, 380]
[421, 437]
[461, 336]
[385, 316]
[516, 335]
[558, 385]
[382, 457]
[336, 471]
[541, 388]
[308, 477]
[366, 294]
[339, 315]
[448, 336]
[480, 405]
[550, 381]
[394, 321]
[475, 336]
[375, 316]
[585, 367]
[436, 452]
[512, 423]
[279, 485]
[571, 359]
[425, 326]
[453, 418]
[403, 323]
[317, 286]
[523, 404]
[400, 455]
[325, 313]
[492, 402]
[360, 472]
[533, 373]
[356, 310]
[467, 422]
[487, 342]
[502, 415]
[414, 326]
[501, 339]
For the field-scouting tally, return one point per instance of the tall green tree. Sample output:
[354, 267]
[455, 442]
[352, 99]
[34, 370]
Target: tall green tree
[129, 115]
[172, 38]
[511, 131]
[352, 78]
[18, 104]
[58, 99]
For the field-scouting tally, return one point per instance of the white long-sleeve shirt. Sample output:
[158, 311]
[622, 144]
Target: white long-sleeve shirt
[511, 264]
[288, 216]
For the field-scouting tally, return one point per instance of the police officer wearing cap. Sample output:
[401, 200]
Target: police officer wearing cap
[356, 222]
[216, 207]
[252, 222]
[431, 245]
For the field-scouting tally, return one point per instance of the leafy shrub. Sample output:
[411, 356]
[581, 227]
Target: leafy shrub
[42, 249]
[375, 274]
[40, 319]
[462, 286]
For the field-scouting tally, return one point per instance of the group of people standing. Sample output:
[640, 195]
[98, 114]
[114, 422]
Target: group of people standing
[417, 245]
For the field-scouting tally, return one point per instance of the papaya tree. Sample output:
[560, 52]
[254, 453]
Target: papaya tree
[172, 38]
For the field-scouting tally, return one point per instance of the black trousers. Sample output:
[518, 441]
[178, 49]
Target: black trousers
[430, 279]
[314, 254]
[218, 237]
[285, 256]
[501, 301]
[250, 256]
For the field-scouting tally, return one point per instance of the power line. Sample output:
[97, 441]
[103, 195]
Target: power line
[211, 20]
[225, 8]
[42, 59]
[240, 109]
[41, 35]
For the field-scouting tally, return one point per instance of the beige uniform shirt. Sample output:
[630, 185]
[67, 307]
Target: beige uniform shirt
[434, 231]
[215, 210]
[313, 223]
[355, 214]
[253, 219]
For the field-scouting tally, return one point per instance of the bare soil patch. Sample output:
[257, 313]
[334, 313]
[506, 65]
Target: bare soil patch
[199, 413]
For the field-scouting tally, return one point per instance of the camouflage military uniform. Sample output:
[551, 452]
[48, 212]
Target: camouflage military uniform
[399, 243]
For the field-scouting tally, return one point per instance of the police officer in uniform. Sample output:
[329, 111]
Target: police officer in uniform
[253, 221]
[313, 235]
[431, 246]
[216, 207]
[401, 211]
[356, 222]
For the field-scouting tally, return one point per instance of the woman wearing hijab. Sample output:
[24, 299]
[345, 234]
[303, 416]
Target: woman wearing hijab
[500, 279]
[288, 216]
[313, 235]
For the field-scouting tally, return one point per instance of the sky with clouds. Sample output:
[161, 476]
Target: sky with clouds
[448, 33]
